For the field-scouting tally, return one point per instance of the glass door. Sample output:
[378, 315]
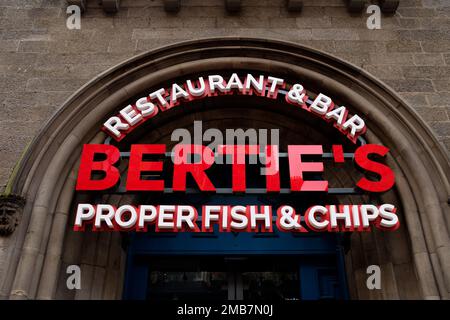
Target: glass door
[223, 278]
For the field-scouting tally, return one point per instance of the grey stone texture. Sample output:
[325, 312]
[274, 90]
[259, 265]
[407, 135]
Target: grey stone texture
[42, 62]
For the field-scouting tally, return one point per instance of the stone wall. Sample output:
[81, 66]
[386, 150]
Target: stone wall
[42, 62]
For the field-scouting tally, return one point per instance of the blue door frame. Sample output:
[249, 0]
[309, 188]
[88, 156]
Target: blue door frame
[320, 256]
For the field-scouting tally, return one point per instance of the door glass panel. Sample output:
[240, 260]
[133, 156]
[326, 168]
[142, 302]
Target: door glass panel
[271, 285]
[220, 278]
[201, 285]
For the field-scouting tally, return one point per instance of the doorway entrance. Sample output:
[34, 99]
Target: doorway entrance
[236, 277]
[235, 265]
[209, 278]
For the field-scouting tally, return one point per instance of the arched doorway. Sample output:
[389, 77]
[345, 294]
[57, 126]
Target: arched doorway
[238, 265]
[45, 177]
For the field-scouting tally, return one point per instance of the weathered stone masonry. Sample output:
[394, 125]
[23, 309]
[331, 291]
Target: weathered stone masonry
[42, 63]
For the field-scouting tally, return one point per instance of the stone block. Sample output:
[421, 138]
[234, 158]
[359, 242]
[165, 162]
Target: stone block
[17, 58]
[276, 22]
[358, 59]
[392, 58]
[408, 23]
[435, 23]
[439, 99]
[149, 44]
[103, 244]
[54, 84]
[12, 146]
[442, 85]
[378, 35]
[12, 83]
[428, 59]
[87, 279]
[385, 71]
[442, 128]
[411, 85]
[424, 35]
[34, 46]
[403, 46]
[417, 99]
[348, 22]
[9, 45]
[314, 11]
[428, 72]
[416, 12]
[98, 283]
[433, 114]
[360, 46]
[323, 45]
[335, 34]
[445, 142]
[122, 46]
[388, 284]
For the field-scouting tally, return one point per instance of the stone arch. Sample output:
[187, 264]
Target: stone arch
[45, 176]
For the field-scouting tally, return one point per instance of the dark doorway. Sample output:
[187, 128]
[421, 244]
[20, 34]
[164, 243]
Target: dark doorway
[223, 278]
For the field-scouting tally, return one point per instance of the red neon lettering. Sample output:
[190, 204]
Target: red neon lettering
[238, 153]
[197, 170]
[88, 166]
[297, 167]
[272, 169]
[387, 178]
[137, 166]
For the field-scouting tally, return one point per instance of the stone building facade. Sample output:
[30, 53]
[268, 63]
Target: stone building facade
[43, 63]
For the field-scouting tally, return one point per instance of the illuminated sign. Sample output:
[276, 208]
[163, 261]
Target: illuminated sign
[163, 99]
[99, 170]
